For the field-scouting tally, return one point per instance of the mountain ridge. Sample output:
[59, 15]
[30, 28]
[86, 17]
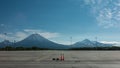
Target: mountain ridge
[36, 40]
[88, 43]
[39, 41]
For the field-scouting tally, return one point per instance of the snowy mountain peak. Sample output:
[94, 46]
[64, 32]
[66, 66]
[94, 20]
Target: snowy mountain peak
[39, 41]
[5, 43]
[35, 37]
[86, 41]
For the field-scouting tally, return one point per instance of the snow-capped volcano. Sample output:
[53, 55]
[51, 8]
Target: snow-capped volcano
[39, 41]
[5, 43]
[35, 38]
[88, 43]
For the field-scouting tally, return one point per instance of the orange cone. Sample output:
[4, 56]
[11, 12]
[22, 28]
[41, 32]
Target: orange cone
[62, 57]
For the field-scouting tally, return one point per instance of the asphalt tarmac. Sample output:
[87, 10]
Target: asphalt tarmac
[72, 59]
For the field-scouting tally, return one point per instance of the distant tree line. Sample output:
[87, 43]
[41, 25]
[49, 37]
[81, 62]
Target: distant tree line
[96, 48]
[9, 48]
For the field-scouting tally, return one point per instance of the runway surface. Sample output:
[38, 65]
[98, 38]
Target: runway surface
[73, 59]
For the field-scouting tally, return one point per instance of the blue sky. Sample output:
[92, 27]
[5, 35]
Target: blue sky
[58, 20]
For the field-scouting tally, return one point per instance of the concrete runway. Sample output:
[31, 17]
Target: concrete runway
[73, 59]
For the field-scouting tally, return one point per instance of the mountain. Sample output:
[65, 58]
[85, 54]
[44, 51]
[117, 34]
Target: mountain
[88, 43]
[39, 41]
[36, 40]
[5, 43]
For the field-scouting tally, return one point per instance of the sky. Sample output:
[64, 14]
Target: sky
[59, 20]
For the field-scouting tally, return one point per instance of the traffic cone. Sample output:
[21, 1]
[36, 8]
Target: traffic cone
[62, 57]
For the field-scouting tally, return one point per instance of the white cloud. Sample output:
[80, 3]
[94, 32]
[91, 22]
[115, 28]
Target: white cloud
[63, 42]
[87, 1]
[1, 24]
[5, 37]
[110, 42]
[107, 12]
[43, 33]
[92, 2]
[49, 34]
[23, 34]
[2, 36]
[116, 43]
[20, 35]
[13, 36]
[32, 30]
